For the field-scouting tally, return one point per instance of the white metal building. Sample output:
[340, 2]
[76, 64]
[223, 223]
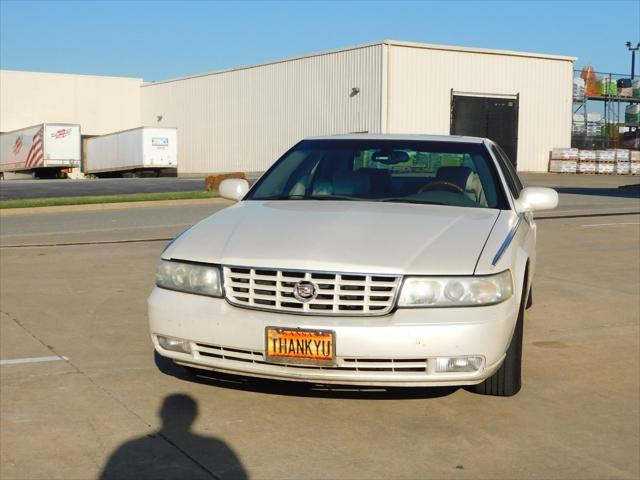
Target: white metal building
[98, 104]
[242, 119]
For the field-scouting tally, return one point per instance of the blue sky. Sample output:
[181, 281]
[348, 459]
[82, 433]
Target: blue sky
[160, 40]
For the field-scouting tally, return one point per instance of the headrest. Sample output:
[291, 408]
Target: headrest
[322, 187]
[351, 183]
[456, 175]
[380, 179]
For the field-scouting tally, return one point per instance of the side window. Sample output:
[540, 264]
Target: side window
[510, 175]
[511, 170]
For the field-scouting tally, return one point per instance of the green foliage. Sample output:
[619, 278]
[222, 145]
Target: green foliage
[134, 197]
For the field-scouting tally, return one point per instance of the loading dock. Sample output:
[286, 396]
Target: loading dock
[487, 116]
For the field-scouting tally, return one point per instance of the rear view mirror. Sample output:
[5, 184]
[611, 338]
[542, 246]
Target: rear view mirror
[390, 157]
[233, 188]
[537, 198]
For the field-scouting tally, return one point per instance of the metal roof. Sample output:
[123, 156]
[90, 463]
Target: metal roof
[487, 51]
[72, 74]
[426, 46]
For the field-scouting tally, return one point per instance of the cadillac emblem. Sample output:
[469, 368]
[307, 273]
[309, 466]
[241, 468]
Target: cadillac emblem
[305, 291]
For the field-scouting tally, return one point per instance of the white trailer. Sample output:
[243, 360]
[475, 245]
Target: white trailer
[136, 150]
[50, 146]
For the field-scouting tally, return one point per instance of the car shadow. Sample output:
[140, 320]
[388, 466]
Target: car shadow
[296, 389]
[628, 191]
[174, 451]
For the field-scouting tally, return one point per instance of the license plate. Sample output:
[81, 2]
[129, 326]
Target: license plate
[310, 347]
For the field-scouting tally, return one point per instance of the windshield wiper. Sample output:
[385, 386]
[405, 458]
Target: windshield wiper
[278, 197]
[328, 197]
[408, 200]
[305, 197]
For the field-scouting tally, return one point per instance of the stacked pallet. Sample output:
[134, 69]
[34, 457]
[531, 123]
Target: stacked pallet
[587, 161]
[604, 162]
[564, 160]
[623, 162]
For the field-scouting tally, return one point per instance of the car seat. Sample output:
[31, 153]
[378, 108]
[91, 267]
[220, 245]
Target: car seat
[466, 179]
[380, 179]
[351, 184]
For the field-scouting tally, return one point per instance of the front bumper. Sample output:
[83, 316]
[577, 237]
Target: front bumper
[394, 350]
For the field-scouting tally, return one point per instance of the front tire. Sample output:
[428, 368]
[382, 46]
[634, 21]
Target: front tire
[507, 381]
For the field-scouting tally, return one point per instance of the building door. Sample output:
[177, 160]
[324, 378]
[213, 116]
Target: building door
[491, 117]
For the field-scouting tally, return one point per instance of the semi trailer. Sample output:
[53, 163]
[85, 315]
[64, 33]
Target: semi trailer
[135, 152]
[43, 150]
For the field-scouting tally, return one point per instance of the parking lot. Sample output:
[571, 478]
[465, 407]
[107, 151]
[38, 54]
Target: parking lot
[103, 404]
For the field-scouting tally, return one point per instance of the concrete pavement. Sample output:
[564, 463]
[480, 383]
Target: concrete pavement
[153, 220]
[109, 224]
[112, 404]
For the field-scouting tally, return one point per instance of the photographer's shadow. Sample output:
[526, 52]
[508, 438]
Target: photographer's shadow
[174, 451]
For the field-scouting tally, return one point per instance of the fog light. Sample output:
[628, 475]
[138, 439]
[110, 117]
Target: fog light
[458, 364]
[174, 344]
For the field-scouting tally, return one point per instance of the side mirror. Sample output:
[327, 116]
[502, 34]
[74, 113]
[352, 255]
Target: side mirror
[537, 198]
[233, 188]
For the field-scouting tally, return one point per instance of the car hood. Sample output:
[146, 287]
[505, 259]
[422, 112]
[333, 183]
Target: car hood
[340, 236]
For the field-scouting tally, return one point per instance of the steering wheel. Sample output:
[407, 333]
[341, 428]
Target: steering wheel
[441, 183]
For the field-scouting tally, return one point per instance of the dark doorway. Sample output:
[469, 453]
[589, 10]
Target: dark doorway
[490, 117]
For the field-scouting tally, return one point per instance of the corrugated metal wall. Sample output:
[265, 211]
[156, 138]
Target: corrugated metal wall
[244, 119]
[99, 104]
[419, 93]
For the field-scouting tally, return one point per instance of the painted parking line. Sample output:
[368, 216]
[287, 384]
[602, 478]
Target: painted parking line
[18, 361]
[610, 224]
[590, 210]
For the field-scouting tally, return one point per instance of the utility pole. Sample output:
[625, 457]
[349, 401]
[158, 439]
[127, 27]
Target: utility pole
[633, 57]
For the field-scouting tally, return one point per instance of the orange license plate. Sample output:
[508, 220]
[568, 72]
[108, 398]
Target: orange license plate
[311, 347]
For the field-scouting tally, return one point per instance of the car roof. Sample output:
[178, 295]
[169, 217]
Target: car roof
[394, 136]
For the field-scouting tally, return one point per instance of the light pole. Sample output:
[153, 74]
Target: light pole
[633, 57]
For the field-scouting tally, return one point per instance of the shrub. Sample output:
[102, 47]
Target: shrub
[212, 182]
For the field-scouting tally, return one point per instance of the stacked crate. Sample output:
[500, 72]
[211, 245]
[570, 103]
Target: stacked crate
[564, 160]
[634, 162]
[595, 123]
[578, 126]
[623, 160]
[587, 161]
[606, 161]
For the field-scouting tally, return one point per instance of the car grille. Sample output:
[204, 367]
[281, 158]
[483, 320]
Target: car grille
[337, 293]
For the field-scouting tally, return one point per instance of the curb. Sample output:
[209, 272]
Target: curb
[8, 212]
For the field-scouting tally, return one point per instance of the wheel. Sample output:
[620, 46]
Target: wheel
[507, 381]
[530, 298]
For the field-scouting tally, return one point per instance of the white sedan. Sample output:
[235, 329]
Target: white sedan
[390, 260]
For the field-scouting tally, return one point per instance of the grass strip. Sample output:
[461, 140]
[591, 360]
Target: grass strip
[93, 199]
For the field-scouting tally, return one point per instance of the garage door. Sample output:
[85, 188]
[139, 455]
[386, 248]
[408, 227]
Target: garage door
[490, 117]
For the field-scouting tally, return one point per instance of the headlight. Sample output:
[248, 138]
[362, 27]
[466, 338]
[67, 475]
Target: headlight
[456, 291]
[189, 277]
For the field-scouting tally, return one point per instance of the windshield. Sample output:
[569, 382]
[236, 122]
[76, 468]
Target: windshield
[441, 173]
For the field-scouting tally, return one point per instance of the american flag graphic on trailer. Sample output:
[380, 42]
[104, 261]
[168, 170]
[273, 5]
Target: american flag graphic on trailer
[17, 146]
[35, 158]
